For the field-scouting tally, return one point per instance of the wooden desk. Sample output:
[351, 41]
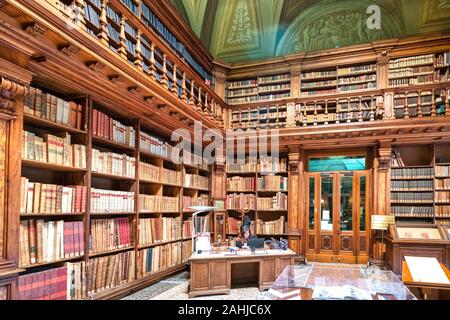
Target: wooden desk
[211, 273]
[428, 291]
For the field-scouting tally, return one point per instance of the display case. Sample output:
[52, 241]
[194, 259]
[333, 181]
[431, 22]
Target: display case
[421, 240]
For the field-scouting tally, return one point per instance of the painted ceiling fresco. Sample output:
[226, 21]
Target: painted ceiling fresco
[244, 30]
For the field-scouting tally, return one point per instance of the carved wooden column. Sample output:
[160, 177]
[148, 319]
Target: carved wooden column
[199, 101]
[296, 202]
[183, 88]
[122, 49]
[152, 60]
[218, 192]
[383, 180]
[13, 87]
[103, 35]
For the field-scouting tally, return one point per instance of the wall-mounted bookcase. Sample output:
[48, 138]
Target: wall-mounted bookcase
[259, 117]
[100, 191]
[411, 70]
[258, 188]
[338, 79]
[420, 183]
[259, 89]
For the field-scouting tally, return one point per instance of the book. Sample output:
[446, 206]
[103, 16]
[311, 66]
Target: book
[108, 128]
[110, 234]
[153, 203]
[155, 230]
[113, 164]
[159, 258]
[111, 201]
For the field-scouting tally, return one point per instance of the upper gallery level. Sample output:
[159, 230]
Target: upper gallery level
[131, 47]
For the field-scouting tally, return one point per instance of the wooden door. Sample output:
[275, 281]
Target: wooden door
[337, 217]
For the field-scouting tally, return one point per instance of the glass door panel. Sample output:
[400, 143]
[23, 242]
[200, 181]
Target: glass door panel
[326, 203]
[312, 204]
[346, 205]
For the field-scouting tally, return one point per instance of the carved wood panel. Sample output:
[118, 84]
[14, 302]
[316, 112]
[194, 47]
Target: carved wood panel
[346, 243]
[326, 242]
[3, 151]
[311, 242]
[362, 243]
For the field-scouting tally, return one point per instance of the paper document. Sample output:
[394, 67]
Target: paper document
[426, 270]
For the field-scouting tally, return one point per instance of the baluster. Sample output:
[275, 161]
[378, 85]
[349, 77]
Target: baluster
[406, 107]
[360, 114]
[192, 95]
[183, 87]
[103, 35]
[305, 121]
[205, 106]
[174, 88]
[433, 104]
[447, 96]
[349, 110]
[79, 13]
[419, 104]
[138, 58]
[326, 112]
[164, 78]
[338, 111]
[122, 49]
[315, 113]
[199, 100]
[152, 66]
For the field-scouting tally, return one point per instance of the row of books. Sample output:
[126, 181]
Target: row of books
[154, 203]
[443, 59]
[412, 197]
[411, 210]
[270, 79]
[410, 81]
[91, 15]
[172, 177]
[319, 74]
[233, 225]
[241, 201]
[53, 149]
[371, 77]
[396, 159]
[153, 145]
[275, 227]
[149, 172]
[412, 101]
[201, 226]
[52, 108]
[399, 173]
[410, 72]
[243, 100]
[442, 183]
[241, 83]
[411, 185]
[53, 284]
[358, 87]
[111, 201]
[110, 271]
[242, 92]
[110, 234]
[443, 171]
[442, 211]
[277, 202]
[196, 181]
[108, 128]
[155, 230]
[356, 69]
[325, 83]
[40, 198]
[442, 196]
[272, 183]
[442, 75]
[272, 88]
[248, 165]
[186, 250]
[46, 241]
[113, 164]
[237, 183]
[272, 164]
[159, 258]
[317, 92]
[411, 61]
[201, 200]
[218, 188]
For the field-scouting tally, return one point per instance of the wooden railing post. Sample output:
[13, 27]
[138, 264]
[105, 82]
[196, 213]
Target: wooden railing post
[138, 58]
[433, 104]
[164, 78]
[122, 49]
[103, 35]
[192, 95]
[447, 96]
[152, 60]
[406, 106]
[199, 102]
[419, 104]
[360, 113]
[174, 88]
[183, 87]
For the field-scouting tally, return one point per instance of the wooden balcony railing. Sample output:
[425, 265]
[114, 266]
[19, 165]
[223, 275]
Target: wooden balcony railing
[126, 33]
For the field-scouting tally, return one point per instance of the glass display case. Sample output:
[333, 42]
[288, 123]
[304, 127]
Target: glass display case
[329, 282]
[418, 240]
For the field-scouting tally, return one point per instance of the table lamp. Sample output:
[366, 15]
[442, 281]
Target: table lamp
[198, 210]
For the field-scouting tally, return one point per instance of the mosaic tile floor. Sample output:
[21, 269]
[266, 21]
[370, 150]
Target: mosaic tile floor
[176, 288]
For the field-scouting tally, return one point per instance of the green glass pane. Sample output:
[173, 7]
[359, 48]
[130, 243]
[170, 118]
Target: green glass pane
[337, 163]
[346, 203]
[311, 203]
[362, 206]
[326, 199]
